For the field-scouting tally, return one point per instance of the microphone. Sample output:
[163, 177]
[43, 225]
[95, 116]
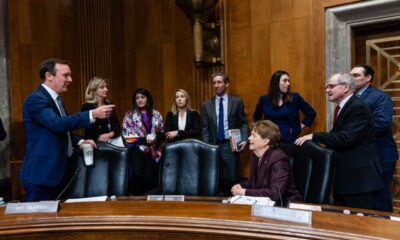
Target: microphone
[166, 165]
[69, 183]
[277, 185]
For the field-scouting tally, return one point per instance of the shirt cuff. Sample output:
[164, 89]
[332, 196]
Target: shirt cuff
[92, 119]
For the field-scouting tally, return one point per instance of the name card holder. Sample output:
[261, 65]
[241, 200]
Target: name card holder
[32, 207]
[176, 198]
[284, 214]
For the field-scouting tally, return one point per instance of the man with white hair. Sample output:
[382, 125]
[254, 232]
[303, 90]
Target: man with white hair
[353, 141]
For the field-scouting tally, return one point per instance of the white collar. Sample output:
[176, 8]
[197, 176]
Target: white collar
[52, 93]
[344, 101]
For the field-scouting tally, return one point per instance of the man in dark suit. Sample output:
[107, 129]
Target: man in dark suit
[49, 141]
[353, 141]
[382, 110]
[221, 113]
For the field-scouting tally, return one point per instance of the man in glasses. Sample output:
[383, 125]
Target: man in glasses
[353, 141]
[382, 110]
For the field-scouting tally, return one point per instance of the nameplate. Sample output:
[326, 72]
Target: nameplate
[176, 198]
[305, 207]
[284, 214]
[32, 207]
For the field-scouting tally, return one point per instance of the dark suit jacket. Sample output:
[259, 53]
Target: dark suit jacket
[287, 116]
[353, 141]
[192, 127]
[101, 126]
[46, 147]
[382, 109]
[272, 173]
[2, 131]
[236, 119]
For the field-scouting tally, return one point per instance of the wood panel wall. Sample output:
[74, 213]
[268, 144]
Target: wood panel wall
[149, 44]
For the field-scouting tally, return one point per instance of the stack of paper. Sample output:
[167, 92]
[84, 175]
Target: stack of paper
[266, 201]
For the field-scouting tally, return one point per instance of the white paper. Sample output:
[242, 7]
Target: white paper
[305, 207]
[247, 200]
[394, 218]
[89, 199]
[117, 142]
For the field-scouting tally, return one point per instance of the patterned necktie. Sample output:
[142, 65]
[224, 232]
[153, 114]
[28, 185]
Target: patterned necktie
[335, 115]
[221, 132]
[63, 114]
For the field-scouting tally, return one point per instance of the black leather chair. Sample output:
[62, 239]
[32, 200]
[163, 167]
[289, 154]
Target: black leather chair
[313, 169]
[189, 167]
[107, 176]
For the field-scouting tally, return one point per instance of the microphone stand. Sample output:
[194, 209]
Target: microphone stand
[69, 183]
[277, 185]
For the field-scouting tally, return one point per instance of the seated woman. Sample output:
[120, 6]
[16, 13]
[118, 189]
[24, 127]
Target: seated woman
[95, 96]
[142, 129]
[182, 121]
[283, 108]
[270, 172]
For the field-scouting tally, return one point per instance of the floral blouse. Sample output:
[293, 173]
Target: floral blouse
[135, 133]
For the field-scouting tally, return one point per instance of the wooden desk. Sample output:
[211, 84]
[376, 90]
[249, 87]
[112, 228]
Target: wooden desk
[126, 219]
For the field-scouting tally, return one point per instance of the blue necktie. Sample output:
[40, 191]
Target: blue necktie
[63, 114]
[221, 132]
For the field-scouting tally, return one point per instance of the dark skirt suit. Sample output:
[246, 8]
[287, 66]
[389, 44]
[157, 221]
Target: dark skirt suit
[101, 126]
[287, 116]
[192, 127]
[271, 173]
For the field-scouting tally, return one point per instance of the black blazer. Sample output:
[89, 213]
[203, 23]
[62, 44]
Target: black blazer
[192, 127]
[236, 119]
[353, 141]
[101, 126]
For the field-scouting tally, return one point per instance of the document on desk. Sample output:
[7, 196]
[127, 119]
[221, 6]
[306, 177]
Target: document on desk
[89, 199]
[247, 200]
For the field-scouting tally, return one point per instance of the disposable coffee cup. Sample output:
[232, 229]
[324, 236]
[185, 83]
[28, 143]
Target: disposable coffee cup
[87, 154]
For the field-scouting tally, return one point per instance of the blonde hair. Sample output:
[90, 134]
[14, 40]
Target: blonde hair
[90, 93]
[268, 129]
[174, 108]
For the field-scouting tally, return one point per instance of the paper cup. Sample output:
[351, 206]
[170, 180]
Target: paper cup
[87, 154]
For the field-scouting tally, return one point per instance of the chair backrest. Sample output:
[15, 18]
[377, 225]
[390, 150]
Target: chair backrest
[313, 170]
[107, 176]
[189, 167]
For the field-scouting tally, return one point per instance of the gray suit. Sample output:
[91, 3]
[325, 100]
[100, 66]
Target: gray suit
[236, 120]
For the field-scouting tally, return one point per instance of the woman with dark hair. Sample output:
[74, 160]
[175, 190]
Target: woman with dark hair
[95, 96]
[182, 121]
[142, 130]
[270, 172]
[283, 108]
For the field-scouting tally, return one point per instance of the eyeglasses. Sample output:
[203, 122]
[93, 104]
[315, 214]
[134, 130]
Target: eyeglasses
[330, 86]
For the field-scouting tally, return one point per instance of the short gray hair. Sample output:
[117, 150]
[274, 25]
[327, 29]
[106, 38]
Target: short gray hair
[347, 79]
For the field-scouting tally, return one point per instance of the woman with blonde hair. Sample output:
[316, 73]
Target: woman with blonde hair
[96, 96]
[182, 121]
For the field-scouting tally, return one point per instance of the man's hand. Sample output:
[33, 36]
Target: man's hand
[89, 141]
[103, 112]
[303, 139]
